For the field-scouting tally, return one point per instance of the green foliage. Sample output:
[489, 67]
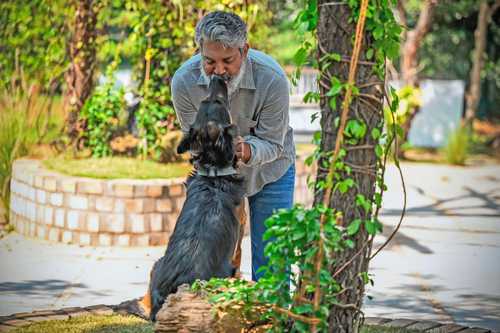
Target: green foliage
[32, 41]
[457, 147]
[101, 114]
[23, 113]
[293, 233]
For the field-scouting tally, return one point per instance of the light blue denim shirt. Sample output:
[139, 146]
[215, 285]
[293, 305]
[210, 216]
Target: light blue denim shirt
[260, 109]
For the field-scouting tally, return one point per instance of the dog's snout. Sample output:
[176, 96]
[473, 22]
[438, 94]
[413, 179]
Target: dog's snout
[213, 130]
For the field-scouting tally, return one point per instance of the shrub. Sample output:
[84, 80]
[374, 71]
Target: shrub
[101, 117]
[23, 122]
[457, 148]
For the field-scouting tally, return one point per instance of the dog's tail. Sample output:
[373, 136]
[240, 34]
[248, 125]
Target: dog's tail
[156, 303]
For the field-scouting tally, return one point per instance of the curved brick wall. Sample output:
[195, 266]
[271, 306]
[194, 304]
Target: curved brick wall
[95, 212]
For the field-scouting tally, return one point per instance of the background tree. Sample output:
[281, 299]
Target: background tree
[79, 77]
[473, 95]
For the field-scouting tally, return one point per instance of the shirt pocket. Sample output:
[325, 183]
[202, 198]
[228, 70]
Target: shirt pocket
[247, 126]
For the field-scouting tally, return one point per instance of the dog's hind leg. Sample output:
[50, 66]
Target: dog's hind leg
[236, 261]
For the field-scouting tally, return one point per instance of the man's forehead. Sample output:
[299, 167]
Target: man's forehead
[216, 50]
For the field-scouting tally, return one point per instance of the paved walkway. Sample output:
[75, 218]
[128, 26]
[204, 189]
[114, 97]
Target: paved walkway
[443, 265]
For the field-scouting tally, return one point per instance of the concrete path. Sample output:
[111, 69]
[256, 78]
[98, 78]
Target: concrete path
[443, 265]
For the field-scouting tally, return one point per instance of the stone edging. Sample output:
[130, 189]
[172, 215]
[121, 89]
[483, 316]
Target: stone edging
[96, 212]
[27, 318]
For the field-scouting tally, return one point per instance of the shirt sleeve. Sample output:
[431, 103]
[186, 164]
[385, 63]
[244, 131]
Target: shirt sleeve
[272, 125]
[184, 108]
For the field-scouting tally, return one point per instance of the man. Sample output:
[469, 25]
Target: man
[259, 99]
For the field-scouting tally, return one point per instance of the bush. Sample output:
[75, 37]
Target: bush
[23, 122]
[457, 148]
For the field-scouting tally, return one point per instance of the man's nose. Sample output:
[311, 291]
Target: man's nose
[219, 69]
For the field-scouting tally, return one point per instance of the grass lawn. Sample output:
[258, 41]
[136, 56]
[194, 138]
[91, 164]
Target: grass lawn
[117, 167]
[124, 324]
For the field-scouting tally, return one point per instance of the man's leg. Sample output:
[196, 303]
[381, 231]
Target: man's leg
[272, 197]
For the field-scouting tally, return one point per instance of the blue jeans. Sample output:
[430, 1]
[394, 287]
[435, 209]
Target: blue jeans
[263, 204]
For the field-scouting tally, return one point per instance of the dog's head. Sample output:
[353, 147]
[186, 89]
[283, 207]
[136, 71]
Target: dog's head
[210, 137]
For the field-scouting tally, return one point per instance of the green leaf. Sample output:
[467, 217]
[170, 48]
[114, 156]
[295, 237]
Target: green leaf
[353, 227]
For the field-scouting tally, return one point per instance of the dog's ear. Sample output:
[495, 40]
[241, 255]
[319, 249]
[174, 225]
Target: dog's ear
[232, 130]
[185, 143]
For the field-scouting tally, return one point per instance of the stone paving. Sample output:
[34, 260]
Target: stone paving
[443, 266]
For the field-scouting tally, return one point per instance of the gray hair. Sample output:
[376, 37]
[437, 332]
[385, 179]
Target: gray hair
[223, 27]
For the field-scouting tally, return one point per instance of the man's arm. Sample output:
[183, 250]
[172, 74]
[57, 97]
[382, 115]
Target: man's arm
[267, 143]
[184, 108]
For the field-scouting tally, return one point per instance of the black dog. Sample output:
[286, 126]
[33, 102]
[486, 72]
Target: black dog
[207, 230]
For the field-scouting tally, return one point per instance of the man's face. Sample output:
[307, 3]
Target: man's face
[223, 61]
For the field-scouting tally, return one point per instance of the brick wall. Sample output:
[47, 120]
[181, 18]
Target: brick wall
[94, 212]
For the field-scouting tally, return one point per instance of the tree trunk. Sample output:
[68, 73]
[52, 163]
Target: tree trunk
[335, 35]
[480, 36]
[80, 75]
[186, 311]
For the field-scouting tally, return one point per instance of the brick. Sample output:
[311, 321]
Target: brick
[179, 202]
[16, 322]
[375, 321]
[149, 205]
[119, 206]
[59, 217]
[134, 205]
[39, 181]
[122, 240]
[171, 220]
[176, 190]
[400, 323]
[423, 325]
[90, 187]
[164, 205]
[140, 240]
[104, 204]
[137, 223]
[104, 240]
[31, 210]
[123, 190]
[50, 184]
[154, 191]
[41, 196]
[140, 191]
[100, 309]
[41, 231]
[84, 238]
[67, 237]
[78, 202]
[73, 219]
[67, 185]
[54, 234]
[48, 215]
[40, 210]
[31, 193]
[112, 223]
[156, 222]
[32, 230]
[56, 199]
[92, 222]
[158, 239]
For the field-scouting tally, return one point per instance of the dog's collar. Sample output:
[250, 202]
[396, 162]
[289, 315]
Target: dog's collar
[215, 172]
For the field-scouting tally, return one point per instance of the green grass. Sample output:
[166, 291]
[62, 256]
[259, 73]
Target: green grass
[90, 324]
[117, 167]
[127, 324]
[457, 148]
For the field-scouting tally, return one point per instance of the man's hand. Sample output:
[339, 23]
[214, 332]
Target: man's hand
[243, 150]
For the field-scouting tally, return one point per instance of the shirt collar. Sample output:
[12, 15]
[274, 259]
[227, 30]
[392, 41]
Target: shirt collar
[247, 81]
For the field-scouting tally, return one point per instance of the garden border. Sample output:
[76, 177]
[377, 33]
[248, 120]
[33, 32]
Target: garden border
[26, 318]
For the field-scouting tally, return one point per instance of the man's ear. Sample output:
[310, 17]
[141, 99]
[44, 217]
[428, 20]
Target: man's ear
[185, 143]
[246, 47]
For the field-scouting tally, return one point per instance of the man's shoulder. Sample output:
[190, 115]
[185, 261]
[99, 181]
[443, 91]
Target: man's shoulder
[264, 62]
